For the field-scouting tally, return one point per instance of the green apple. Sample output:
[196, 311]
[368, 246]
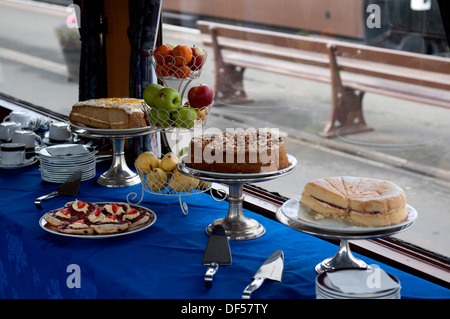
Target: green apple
[150, 93]
[185, 117]
[160, 118]
[168, 99]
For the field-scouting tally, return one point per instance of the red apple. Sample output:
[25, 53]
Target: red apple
[198, 58]
[200, 96]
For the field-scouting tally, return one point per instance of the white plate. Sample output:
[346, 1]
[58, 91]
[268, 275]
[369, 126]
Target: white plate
[47, 227]
[45, 154]
[230, 177]
[302, 214]
[61, 178]
[107, 132]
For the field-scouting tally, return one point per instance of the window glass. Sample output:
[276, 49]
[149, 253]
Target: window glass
[410, 140]
[409, 144]
[39, 54]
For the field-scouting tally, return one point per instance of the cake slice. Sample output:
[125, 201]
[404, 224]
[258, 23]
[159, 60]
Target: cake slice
[77, 228]
[326, 197]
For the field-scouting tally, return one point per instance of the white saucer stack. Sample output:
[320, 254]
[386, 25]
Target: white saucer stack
[59, 162]
[371, 283]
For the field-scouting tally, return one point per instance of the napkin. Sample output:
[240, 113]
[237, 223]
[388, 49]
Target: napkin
[356, 281]
[67, 150]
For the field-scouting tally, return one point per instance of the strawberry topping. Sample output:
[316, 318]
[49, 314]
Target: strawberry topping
[131, 212]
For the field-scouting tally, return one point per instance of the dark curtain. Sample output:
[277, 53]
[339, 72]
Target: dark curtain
[444, 7]
[144, 16]
[92, 83]
[143, 30]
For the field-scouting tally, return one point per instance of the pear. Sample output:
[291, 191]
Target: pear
[147, 161]
[204, 184]
[157, 179]
[169, 162]
[182, 183]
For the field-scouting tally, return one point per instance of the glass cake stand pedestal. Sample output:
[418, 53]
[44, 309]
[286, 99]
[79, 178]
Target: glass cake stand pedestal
[119, 174]
[237, 226]
[300, 217]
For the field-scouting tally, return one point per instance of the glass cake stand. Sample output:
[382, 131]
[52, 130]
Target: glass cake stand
[236, 224]
[301, 218]
[119, 174]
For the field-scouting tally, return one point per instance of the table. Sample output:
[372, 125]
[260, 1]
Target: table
[164, 261]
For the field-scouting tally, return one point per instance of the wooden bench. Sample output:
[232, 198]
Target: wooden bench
[350, 69]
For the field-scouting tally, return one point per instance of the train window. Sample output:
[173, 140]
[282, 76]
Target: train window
[355, 87]
[383, 51]
[39, 54]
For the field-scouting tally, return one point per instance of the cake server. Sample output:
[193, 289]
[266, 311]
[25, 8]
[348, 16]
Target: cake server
[70, 187]
[271, 269]
[217, 252]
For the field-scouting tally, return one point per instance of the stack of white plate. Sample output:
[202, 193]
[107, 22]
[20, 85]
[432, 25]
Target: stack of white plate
[59, 162]
[357, 284]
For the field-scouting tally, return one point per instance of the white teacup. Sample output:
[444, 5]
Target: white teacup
[59, 132]
[7, 130]
[12, 154]
[26, 137]
[21, 117]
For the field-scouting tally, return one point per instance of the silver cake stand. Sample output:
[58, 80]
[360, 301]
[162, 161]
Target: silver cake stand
[119, 174]
[332, 229]
[237, 226]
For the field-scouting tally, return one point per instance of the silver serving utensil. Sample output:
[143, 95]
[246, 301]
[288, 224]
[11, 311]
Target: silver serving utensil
[70, 187]
[271, 269]
[217, 252]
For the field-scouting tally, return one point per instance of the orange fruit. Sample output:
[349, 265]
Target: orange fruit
[165, 69]
[163, 53]
[182, 72]
[182, 54]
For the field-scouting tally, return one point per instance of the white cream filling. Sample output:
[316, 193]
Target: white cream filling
[59, 214]
[78, 209]
[131, 216]
[119, 212]
[95, 219]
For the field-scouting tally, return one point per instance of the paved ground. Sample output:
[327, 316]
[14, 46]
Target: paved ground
[410, 143]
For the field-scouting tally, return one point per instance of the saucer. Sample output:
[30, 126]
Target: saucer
[46, 140]
[27, 162]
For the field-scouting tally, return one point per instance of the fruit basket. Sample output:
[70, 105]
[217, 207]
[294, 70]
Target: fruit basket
[178, 62]
[170, 109]
[183, 118]
[166, 112]
[161, 177]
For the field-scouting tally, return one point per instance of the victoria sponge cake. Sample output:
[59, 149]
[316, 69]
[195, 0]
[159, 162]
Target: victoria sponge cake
[364, 201]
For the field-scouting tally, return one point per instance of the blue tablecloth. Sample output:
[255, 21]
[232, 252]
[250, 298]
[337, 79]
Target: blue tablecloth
[163, 261]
